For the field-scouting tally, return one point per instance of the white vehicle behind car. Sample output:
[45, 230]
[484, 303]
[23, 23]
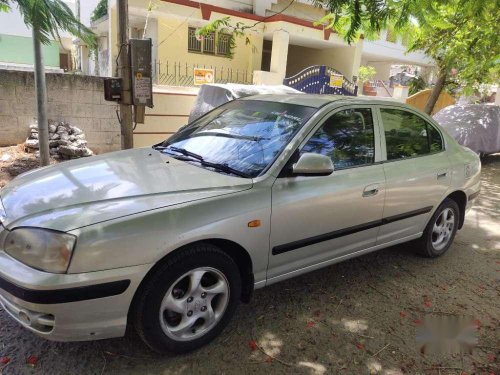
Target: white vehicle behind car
[476, 126]
[171, 238]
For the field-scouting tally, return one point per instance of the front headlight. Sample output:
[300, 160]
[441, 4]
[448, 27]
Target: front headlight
[44, 249]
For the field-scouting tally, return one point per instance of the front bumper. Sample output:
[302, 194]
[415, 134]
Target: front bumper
[69, 307]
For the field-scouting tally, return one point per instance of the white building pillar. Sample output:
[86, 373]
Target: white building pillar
[400, 93]
[279, 53]
[356, 61]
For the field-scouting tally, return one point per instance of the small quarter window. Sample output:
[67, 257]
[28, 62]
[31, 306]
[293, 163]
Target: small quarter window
[408, 135]
[346, 137]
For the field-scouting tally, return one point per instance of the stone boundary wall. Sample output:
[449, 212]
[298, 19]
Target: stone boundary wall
[76, 99]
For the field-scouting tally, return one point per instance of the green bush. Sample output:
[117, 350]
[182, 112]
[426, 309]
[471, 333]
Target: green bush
[100, 10]
[366, 73]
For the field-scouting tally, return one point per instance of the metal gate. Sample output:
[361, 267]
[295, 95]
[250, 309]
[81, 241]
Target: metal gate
[316, 79]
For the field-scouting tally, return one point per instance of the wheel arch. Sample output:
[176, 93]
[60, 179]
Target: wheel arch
[239, 254]
[460, 199]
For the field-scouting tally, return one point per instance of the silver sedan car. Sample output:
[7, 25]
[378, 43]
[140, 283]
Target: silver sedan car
[171, 238]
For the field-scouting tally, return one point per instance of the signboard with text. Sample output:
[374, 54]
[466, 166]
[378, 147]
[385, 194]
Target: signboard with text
[336, 80]
[203, 76]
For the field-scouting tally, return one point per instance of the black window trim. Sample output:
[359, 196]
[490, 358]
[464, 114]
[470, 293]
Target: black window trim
[379, 107]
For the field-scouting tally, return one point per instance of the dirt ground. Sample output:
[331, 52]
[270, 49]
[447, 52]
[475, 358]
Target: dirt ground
[14, 161]
[356, 317]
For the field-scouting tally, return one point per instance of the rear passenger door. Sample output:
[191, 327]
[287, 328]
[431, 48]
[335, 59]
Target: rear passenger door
[416, 170]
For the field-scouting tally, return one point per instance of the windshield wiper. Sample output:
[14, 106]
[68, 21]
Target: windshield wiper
[225, 168]
[219, 166]
[185, 152]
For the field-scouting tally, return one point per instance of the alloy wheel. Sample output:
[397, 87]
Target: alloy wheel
[442, 230]
[194, 304]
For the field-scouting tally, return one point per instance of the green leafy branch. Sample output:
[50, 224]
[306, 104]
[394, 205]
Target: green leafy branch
[100, 10]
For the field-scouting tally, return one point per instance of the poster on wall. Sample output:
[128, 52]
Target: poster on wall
[142, 89]
[203, 76]
[336, 80]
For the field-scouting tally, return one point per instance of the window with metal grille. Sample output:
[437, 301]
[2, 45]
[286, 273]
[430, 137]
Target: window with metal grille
[223, 44]
[194, 42]
[209, 43]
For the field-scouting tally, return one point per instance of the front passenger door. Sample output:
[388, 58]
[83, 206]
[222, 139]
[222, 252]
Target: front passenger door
[317, 219]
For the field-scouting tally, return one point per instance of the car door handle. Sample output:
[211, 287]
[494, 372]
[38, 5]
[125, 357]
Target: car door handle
[370, 190]
[441, 174]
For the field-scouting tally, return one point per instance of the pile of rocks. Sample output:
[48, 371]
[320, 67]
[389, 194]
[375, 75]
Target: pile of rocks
[65, 141]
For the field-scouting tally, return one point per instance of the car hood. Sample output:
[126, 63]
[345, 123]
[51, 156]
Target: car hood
[82, 192]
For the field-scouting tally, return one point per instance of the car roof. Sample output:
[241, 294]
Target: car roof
[319, 100]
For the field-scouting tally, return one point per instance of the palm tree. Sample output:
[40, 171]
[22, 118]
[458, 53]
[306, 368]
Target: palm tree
[47, 18]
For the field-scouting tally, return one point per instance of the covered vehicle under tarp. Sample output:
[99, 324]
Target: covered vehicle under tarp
[214, 95]
[476, 126]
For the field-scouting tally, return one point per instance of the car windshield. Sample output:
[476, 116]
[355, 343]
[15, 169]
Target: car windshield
[241, 137]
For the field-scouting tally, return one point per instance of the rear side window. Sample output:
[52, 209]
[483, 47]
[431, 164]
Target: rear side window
[346, 137]
[408, 135]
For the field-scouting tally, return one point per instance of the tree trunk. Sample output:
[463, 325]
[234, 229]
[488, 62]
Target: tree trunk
[436, 91]
[127, 131]
[41, 98]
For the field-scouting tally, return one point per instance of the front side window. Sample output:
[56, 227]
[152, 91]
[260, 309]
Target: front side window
[347, 137]
[408, 135]
[241, 137]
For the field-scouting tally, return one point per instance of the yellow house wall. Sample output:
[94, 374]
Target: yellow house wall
[299, 10]
[303, 32]
[114, 43]
[247, 55]
[172, 23]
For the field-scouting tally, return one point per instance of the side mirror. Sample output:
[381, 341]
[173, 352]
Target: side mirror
[313, 165]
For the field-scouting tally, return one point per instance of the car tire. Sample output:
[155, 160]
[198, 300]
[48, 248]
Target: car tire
[440, 231]
[174, 313]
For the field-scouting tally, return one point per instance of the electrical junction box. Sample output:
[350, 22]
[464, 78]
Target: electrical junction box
[113, 89]
[140, 52]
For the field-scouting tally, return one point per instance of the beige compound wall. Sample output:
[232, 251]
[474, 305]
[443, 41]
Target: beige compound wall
[76, 99]
[79, 100]
[172, 106]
